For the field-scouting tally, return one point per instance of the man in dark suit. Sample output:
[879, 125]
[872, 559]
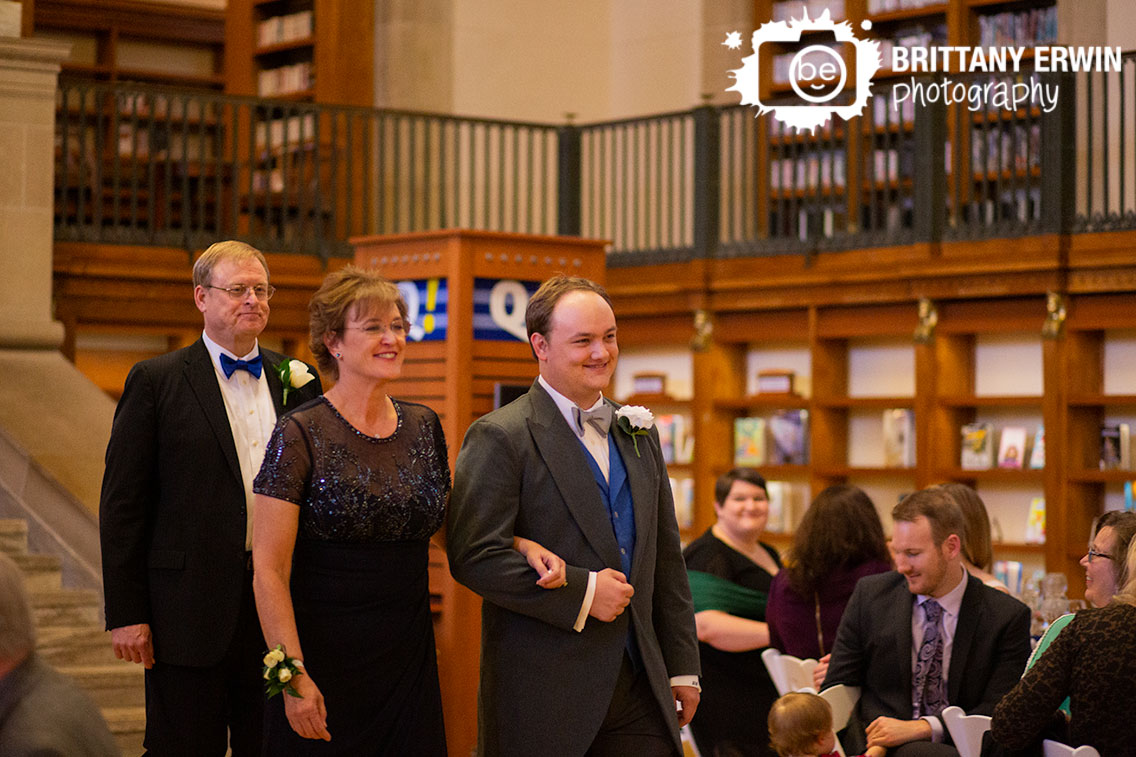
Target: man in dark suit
[175, 513]
[599, 665]
[925, 636]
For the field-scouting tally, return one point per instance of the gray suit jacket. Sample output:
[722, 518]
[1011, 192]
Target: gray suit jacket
[545, 688]
[873, 649]
[43, 713]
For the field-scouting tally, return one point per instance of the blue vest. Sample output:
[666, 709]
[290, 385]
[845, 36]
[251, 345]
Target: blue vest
[622, 516]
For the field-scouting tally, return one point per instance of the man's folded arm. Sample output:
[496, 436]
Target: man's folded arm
[479, 540]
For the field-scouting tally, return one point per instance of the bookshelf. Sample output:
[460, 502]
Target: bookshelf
[128, 40]
[301, 50]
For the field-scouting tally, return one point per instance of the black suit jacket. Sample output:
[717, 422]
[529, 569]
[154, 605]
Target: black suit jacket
[873, 649]
[546, 688]
[172, 514]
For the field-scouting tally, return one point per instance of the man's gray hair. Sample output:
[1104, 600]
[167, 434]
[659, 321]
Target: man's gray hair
[17, 627]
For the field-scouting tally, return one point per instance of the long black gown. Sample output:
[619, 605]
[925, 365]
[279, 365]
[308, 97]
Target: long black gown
[368, 507]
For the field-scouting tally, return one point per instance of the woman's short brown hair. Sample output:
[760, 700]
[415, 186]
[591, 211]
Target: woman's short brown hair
[976, 544]
[796, 721]
[350, 289]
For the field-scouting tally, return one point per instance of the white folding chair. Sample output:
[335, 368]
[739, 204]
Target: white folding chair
[966, 730]
[789, 673]
[842, 699]
[689, 748]
[1057, 749]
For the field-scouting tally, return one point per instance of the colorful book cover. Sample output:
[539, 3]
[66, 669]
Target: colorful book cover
[899, 438]
[1037, 456]
[665, 425]
[788, 431]
[1035, 521]
[1114, 445]
[977, 446]
[749, 441]
[1012, 448]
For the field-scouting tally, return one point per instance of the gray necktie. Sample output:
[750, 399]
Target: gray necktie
[600, 418]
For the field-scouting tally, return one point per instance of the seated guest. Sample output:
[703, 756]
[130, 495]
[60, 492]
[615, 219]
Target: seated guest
[1106, 570]
[730, 570]
[1093, 662]
[977, 554]
[925, 637]
[42, 712]
[800, 725]
[807, 599]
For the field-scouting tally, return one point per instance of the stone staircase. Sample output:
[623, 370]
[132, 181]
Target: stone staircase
[71, 637]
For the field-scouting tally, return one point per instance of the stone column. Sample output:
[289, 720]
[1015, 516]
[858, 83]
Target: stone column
[29, 69]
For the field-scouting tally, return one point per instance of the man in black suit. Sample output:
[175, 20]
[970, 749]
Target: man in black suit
[597, 665]
[925, 636]
[175, 513]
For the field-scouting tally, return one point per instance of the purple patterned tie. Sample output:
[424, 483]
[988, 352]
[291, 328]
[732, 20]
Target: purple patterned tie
[928, 691]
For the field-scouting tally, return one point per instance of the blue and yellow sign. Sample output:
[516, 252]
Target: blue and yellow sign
[427, 306]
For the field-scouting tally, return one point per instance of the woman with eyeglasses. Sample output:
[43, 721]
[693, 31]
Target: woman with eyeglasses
[1106, 569]
[1092, 662]
[353, 486]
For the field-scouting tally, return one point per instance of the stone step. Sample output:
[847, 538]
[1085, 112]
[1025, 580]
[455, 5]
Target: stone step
[119, 685]
[75, 645]
[13, 536]
[41, 572]
[66, 607]
[128, 725]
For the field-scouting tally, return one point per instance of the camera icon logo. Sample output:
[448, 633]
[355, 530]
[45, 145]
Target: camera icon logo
[817, 73]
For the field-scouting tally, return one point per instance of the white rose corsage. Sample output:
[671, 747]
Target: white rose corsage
[635, 420]
[279, 670]
[293, 375]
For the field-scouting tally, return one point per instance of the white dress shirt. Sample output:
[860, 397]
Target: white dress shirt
[950, 602]
[252, 417]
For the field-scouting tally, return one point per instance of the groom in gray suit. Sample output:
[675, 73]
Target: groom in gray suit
[606, 664]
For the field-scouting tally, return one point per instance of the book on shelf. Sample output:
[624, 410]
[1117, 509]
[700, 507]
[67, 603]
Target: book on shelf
[899, 437]
[775, 382]
[1115, 447]
[977, 446]
[1037, 455]
[1012, 447]
[675, 439]
[788, 433]
[787, 502]
[1009, 572]
[749, 441]
[1129, 501]
[649, 383]
[1035, 521]
[682, 490]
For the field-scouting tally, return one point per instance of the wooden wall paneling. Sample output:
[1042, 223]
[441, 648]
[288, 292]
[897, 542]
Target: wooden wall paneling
[719, 373]
[828, 420]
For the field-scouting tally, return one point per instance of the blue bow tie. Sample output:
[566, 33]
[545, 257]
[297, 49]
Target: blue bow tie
[229, 365]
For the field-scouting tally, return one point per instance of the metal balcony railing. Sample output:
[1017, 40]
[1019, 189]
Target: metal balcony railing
[158, 166]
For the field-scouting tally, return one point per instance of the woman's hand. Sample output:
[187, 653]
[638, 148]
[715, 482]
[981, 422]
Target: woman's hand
[307, 716]
[552, 570]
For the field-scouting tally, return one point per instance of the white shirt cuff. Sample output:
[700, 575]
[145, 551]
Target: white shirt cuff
[686, 681]
[936, 728]
[586, 607]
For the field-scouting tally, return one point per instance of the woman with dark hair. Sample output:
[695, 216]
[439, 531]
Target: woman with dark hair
[839, 541]
[730, 570]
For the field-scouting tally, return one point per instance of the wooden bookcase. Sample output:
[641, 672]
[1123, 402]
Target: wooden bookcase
[125, 40]
[333, 64]
[846, 322]
[859, 175]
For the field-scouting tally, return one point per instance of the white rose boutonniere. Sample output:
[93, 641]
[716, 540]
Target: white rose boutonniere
[293, 375]
[635, 420]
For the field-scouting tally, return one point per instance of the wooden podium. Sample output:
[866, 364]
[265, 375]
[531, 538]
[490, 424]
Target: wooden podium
[466, 292]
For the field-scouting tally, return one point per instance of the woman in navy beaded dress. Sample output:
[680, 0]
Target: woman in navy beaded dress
[353, 485]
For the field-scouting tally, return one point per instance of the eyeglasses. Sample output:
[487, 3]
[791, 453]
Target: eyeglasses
[1093, 553]
[263, 292]
[396, 328]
